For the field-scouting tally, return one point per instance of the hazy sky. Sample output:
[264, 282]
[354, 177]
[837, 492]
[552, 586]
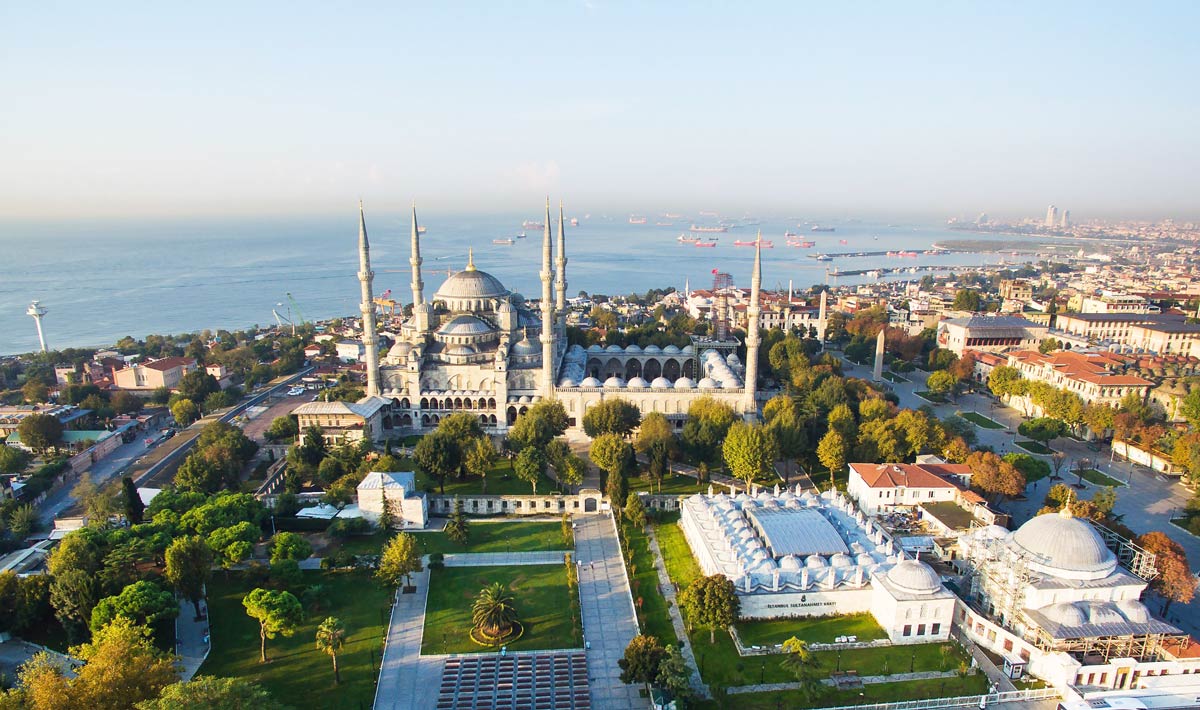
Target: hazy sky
[259, 107]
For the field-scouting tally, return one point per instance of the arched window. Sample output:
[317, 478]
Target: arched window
[652, 369]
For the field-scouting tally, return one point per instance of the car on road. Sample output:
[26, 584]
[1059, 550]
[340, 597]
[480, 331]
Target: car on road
[295, 391]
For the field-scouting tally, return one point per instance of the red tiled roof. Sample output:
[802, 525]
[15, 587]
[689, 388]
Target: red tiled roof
[894, 475]
[170, 363]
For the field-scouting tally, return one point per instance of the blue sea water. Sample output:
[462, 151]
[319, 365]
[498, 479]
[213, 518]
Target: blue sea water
[101, 280]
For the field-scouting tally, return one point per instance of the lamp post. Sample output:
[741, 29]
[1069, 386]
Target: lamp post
[762, 673]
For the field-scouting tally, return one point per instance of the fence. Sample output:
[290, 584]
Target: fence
[956, 702]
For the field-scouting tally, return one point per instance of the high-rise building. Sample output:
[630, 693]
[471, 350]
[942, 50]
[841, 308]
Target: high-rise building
[1051, 216]
[1066, 219]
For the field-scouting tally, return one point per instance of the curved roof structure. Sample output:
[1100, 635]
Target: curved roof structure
[914, 577]
[1064, 546]
[471, 283]
[465, 325]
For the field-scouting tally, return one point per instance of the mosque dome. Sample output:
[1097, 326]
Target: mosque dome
[661, 383]
[461, 350]
[638, 383]
[708, 383]
[595, 349]
[614, 382]
[790, 563]
[525, 347]
[815, 562]
[652, 350]
[399, 350]
[614, 349]
[635, 349]
[671, 350]
[505, 307]
[465, 325]
[1065, 614]
[684, 383]
[914, 577]
[1134, 610]
[841, 559]
[591, 382]
[471, 283]
[566, 381]
[1064, 546]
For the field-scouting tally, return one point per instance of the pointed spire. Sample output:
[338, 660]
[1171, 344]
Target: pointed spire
[560, 264]
[362, 229]
[367, 306]
[414, 260]
[547, 337]
[470, 258]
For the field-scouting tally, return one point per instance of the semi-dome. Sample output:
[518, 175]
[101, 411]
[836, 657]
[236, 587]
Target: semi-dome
[1064, 546]
[638, 383]
[1065, 614]
[1134, 610]
[914, 577]
[399, 350]
[591, 382]
[460, 350]
[465, 325]
[566, 381]
[525, 346]
[614, 382]
[505, 307]
[471, 283]
[661, 383]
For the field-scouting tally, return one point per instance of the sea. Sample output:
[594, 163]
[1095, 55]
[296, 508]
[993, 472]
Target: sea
[100, 280]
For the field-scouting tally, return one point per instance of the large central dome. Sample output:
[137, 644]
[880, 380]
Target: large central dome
[1063, 546]
[471, 283]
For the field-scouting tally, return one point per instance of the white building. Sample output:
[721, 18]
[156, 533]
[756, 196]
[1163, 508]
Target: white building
[883, 487]
[410, 508]
[989, 333]
[799, 554]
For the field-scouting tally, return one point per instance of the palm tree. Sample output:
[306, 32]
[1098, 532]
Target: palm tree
[493, 612]
[331, 637]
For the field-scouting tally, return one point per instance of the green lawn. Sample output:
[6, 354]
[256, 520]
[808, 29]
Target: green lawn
[1093, 476]
[1034, 447]
[499, 536]
[298, 674]
[654, 619]
[677, 555]
[934, 397]
[817, 629]
[981, 421]
[677, 484]
[500, 481]
[543, 602]
[876, 693]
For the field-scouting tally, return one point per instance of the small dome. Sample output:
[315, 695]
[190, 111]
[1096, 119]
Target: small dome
[595, 349]
[638, 383]
[661, 383]
[460, 350]
[591, 382]
[505, 307]
[688, 349]
[525, 346]
[636, 349]
[613, 349]
[863, 558]
[652, 350]
[790, 563]
[1134, 610]
[671, 350]
[465, 325]
[1065, 614]
[815, 562]
[566, 381]
[841, 559]
[733, 359]
[1065, 546]
[1103, 613]
[524, 399]
[614, 382]
[685, 383]
[914, 577]
[399, 350]
[708, 383]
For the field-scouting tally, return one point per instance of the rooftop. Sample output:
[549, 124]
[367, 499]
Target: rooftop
[796, 531]
[906, 475]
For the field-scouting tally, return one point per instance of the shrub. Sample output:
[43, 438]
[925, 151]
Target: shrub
[345, 527]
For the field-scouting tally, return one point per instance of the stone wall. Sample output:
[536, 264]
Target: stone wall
[586, 502]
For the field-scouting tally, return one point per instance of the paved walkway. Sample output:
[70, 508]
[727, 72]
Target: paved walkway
[192, 641]
[609, 621]
[503, 559]
[668, 592]
[994, 674]
[866, 680]
[408, 681]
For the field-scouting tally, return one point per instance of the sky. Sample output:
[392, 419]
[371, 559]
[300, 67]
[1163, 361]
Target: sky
[954, 108]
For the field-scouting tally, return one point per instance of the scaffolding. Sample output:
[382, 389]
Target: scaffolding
[722, 282]
[1129, 554]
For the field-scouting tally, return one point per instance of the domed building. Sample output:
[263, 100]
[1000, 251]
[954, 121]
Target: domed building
[475, 346]
[1054, 597]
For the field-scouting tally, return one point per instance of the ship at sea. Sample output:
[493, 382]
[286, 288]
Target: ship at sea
[574, 221]
[766, 243]
[420, 230]
[824, 257]
[530, 224]
[521, 235]
[705, 244]
[819, 228]
[637, 220]
[664, 224]
[696, 228]
[841, 241]
[507, 241]
[687, 239]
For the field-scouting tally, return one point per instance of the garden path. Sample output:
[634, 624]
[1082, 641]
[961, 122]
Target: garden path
[406, 678]
[668, 591]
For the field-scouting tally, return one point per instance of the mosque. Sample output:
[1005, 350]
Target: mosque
[474, 346]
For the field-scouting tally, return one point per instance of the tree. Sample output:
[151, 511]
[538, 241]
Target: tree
[941, 382]
[124, 402]
[35, 392]
[572, 471]
[654, 430]
[1043, 429]
[185, 411]
[399, 560]
[786, 426]
[710, 601]
[643, 657]
[479, 459]
[144, 603]
[198, 384]
[457, 528]
[674, 675]
[285, 428]
[277, 613]
[634, 512]
[1049, 345]
[542, 422]
[189, 566]
[611, 453]
[1003, 380]
[313, 450]
[22, 520]
[707, 422]
[493, 613]
[234, 543]
[832, 451]
[12, 459]
[218, 400]
[616, 489]
[1189, 408]
[289, 546]
[435, 455]
[967, 300]
[1174, 582]
[208, 693]
[611, 416]
[529, 466]
[134, 507]
[331, 638]
[803, 664]
[994, 476]
[749, 451]
[40, 432]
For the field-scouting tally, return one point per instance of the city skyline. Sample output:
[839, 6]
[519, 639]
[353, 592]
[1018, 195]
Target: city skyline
[936, 111]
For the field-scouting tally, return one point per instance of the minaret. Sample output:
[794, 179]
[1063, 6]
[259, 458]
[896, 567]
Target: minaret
[751, 407]
[36, 311]
[547, 384]
[822, 318]
[560, 281]
[365, 277]
[418, 286]
[877, 375]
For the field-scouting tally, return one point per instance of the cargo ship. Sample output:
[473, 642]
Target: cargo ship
[507, 241]
[819, 228]
[420, 230]
[574, 221]
[695, 228]
[687, 239]
[530, 224]
[705, 244]
[766, 243]
[824, 257]
[637, 220]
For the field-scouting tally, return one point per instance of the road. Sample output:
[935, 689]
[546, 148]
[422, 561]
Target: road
[1147, 503]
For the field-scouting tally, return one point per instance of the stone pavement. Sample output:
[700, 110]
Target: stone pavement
[609, 621]
[994, 674]
[668, 591]
[408, 681]
[503, 559]
[192, 641]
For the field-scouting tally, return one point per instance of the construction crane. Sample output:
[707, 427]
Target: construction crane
[294, 308]
[280, 320]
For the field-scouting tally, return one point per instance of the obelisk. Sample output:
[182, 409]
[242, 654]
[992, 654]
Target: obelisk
[877, 375]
